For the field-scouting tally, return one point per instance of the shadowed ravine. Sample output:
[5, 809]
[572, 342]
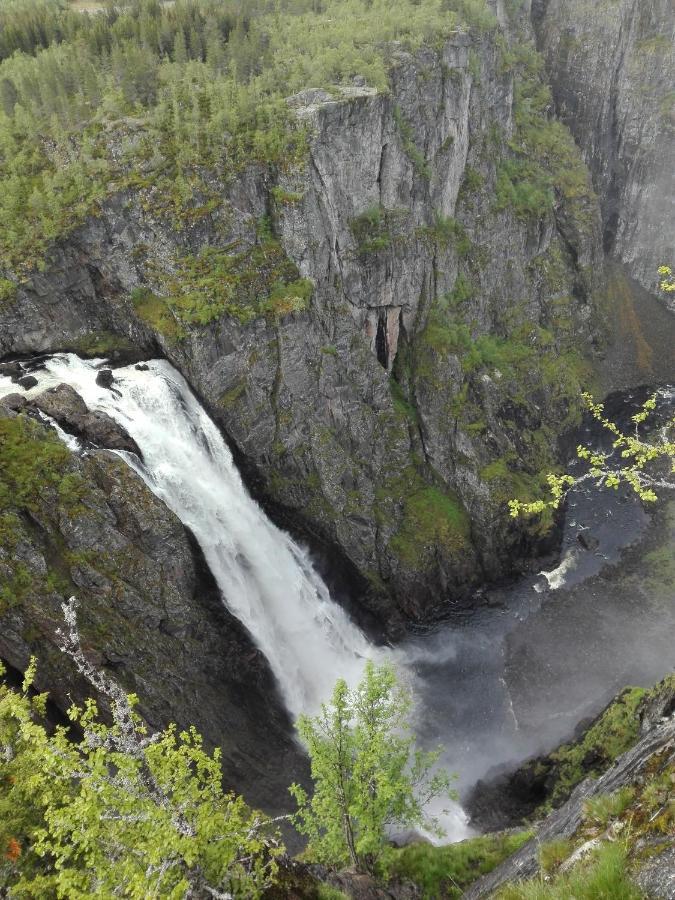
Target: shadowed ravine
[521, 672]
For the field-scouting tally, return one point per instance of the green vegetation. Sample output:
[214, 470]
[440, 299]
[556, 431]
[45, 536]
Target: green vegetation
[7, 291]
[285, 198]
[259, 280]
[35, 464]
[375, 228]
[147, 95]
[119, 813]
[445, 232]
[613, 733]
[544, 159]
[603, 876]
[367, 775]
[410, 148]
[431, 518]
[444, 872]
[641, 464]
[554, 853]
[35, 470]
[102, 343]
[602, 809]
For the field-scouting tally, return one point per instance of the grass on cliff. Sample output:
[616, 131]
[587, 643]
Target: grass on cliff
[444, 872]
[603, 876]
[612, 734]
[34, 472]
[243, 283]
[147, 95]
[544, 159]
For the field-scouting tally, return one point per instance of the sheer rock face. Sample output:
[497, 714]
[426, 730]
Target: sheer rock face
[149, 614]
[611, 67]
[362, 426]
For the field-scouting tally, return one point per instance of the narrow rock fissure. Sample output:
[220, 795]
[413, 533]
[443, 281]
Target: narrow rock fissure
[381, 348]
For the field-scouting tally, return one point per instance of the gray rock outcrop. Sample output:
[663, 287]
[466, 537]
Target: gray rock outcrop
[63, 404]
[611, 67]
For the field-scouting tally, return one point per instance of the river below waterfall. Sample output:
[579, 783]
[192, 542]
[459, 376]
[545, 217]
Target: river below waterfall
[514, 678]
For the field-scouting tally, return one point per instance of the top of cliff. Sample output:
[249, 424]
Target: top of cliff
[149, 95]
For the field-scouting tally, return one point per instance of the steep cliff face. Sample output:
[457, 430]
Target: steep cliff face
[450, 239]
[611, 68]
[149, 611]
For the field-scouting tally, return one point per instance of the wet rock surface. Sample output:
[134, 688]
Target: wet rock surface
[65, 406]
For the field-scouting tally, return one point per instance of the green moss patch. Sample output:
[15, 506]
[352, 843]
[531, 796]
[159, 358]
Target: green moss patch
[431, 519]
[444, 872]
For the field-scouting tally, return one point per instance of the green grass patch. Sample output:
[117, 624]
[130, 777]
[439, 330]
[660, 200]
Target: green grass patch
[553, 854]
[600, 810]
[603, 876]
[431, 519]
[286, 198]
[444, 872]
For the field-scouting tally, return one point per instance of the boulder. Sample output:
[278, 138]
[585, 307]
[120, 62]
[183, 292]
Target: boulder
[105, 378]
[15, 402]
[66, 407]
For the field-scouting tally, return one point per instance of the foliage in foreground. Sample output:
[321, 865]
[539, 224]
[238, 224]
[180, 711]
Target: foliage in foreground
[447, 871]
[367, 775]
[636, 459]
[122, 813]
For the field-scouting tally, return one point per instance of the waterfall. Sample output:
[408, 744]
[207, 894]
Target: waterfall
[266, 579]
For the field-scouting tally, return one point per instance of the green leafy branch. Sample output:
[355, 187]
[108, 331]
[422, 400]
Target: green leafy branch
[633, 461]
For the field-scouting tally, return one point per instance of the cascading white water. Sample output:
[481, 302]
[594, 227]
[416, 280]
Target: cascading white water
[267, 580]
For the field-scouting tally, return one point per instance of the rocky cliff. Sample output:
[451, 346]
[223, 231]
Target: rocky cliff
[631, 803]
[611, 68]
[392, 334]
[149, 610]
